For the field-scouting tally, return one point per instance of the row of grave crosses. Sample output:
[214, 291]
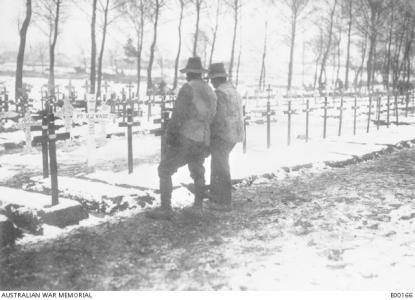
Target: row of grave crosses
[374, 107]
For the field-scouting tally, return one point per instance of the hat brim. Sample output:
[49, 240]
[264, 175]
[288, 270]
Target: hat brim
[216, 75]
[197, 71]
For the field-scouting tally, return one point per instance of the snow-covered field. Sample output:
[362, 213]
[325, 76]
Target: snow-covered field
[109, 178]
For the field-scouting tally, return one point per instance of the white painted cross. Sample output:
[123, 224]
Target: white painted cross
[25, 124]
[91, 116]
[66, 113]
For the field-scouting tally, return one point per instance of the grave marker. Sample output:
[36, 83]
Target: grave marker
[341, 108]
[129, 124]
[307, 111]
[355, 108]
[50, 138]
[289, 112]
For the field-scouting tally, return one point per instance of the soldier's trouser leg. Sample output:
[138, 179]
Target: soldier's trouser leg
[220, 180]
[197, 172]
[173, 158]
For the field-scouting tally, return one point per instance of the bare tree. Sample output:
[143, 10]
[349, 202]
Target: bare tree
[326, 53]
[297, 9]
[176, 62]
[235, 6]
[349, 7]
[198, 5]
[371, 20]
[22, 45]
[92, 74]
[49, 12]
[105, 8]
[137, 11]
[40, 53]
[262, 76]
[157, 5]
[214, 32]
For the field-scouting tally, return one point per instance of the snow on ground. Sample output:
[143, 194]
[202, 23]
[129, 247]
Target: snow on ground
[31, 200]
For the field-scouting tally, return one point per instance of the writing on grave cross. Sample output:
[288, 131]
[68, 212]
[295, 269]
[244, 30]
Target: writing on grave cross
[129, 125]
[341, 108]
[289, 112]
[355, 108]
[90, 117]
[50, 139]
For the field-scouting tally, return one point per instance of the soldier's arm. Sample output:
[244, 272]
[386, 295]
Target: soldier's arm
[180, 110]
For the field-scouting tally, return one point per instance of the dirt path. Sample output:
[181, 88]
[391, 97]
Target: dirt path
[350, 228]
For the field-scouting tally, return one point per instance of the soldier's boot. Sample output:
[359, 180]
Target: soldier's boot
[164, 211]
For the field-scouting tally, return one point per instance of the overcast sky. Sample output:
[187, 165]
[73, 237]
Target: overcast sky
[75, 32]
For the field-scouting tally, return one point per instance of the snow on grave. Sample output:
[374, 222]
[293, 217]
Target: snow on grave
[67, 212]
[97, 196]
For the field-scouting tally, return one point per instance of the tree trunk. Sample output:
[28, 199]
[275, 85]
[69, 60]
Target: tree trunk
[51, 80]
[176, 63]
[388, 58]
[349, 33]
[327, 51]
[236, 7]
[22, 45]
[140, 38]
[198, 2]
[101, 52]
[92, 77]
[153, 46]
[261, 82]
[215, 31]
[360, 70]
[292, 45]
[238, 64]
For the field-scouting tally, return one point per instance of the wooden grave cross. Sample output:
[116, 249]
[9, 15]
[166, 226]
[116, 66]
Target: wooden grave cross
[355, 108]
[50, 139]
[129, 125]
[289, 112]
[86, 88]
[396, 109]
[406, 103]
[4, 101]
[369, 113]
[163, 121]
[307, 111]
[325, 108]
[268, 114]
[341, 108]
[106, 86]
[246, 120]
[378, 111]
[129, 86]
